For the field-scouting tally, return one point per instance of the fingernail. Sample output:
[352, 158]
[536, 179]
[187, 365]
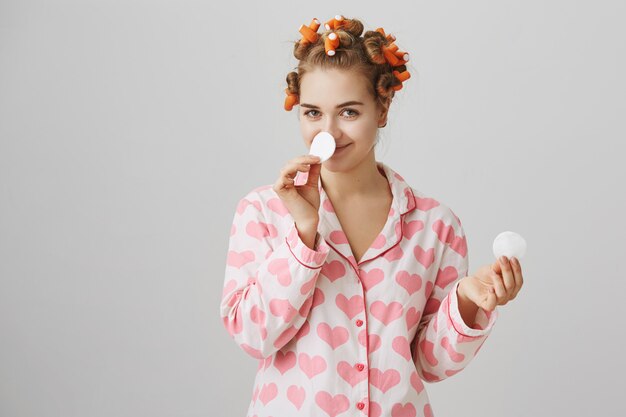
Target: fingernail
[503, 259]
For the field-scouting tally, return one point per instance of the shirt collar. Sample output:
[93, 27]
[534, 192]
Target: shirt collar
[403, 201]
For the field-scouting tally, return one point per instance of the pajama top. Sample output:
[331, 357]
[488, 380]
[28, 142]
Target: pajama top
[339, 338]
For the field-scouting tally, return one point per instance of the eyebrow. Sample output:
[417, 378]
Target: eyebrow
[347, 103]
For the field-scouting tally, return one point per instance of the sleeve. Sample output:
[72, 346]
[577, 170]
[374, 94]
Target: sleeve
[444, 344]
[268, 291]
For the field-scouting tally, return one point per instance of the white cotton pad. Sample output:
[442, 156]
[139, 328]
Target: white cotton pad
[509, 244]
[323, 146]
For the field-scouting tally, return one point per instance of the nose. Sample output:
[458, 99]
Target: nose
[332, 126]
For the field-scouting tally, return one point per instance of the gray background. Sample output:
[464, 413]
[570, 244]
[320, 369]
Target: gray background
[130, 129]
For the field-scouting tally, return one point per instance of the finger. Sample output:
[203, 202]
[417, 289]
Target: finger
[283, 183]
[507, 276]
[308, 159]
[314, 175]
[499, 287]
[490, 302]
[496, 267]
[517, 272]
[290, 170]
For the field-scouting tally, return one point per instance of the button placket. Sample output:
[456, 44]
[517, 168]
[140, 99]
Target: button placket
[361, 367]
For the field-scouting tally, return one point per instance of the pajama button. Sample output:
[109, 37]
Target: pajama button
[359, 322]
[359, 366]
[360, 405]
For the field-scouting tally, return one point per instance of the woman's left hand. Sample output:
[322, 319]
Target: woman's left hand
[494, 284]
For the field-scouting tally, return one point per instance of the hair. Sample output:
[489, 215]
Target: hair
[363, 54]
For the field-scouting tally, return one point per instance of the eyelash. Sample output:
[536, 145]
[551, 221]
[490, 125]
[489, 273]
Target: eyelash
[356, 113]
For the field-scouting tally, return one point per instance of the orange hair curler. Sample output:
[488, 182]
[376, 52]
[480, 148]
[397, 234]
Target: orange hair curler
[309, 33]
[335, 22]
[291, 100]
[331, 43]
[402, 76]
[389, 37]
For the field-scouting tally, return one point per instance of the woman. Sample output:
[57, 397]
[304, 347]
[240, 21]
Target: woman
[347, 284]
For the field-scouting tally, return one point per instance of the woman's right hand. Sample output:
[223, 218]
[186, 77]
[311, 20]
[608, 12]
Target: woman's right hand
[302, 201]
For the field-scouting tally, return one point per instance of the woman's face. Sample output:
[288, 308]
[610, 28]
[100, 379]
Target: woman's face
[324, 98]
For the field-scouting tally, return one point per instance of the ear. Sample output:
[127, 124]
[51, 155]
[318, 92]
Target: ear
[383, 111]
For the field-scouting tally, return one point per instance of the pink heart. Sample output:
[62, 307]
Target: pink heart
[296, 395]
[257, 315]
[338, 237]
[459, 245]
[446, 276]
[350, 307]
[268, 393]
[386, 313]
[386, 380]
[379, 242]
[406, 410]
[283, 308]
[285, 336]
[374, 409]
[411, 283]
[328, 206]
[332, 405]
[260, 230]
[394, 254]
[401, 346]
[454, 355]
[425, 257]
[427, 347]
[307, 286]
[371, 278]
[318, 297]
[351, 374]
[284, 361]
[416, 382]
[335, 337]
[239, 259]
[277, 206]
[412, 227]
[304, 330]
[244, 203]
[333, 270]
[412, 317]
[374, 340]
[311, 365]
[280, 268]
[425, 204]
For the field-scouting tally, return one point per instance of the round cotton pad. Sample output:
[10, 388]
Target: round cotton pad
[323, 146]
[509, 244]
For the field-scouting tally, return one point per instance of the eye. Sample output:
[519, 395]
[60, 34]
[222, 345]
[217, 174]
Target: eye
[308, 113]
[354, 113]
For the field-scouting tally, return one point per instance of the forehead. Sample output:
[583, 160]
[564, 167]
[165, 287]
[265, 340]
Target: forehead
[330, 86]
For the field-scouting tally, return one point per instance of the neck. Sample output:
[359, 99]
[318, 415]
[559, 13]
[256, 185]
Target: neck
[364, 180]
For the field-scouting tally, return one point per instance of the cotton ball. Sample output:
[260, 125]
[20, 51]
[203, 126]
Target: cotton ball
[509, 244]
[323, 145]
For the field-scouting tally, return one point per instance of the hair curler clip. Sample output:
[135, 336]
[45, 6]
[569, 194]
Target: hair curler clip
[335, 22]
[331, 44]
[291, 100]
[309, 33]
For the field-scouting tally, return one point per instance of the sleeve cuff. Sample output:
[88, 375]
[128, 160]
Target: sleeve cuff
[312, 258]
[484, 319]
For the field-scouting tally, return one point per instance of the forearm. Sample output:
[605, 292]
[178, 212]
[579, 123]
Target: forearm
[467, 308]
